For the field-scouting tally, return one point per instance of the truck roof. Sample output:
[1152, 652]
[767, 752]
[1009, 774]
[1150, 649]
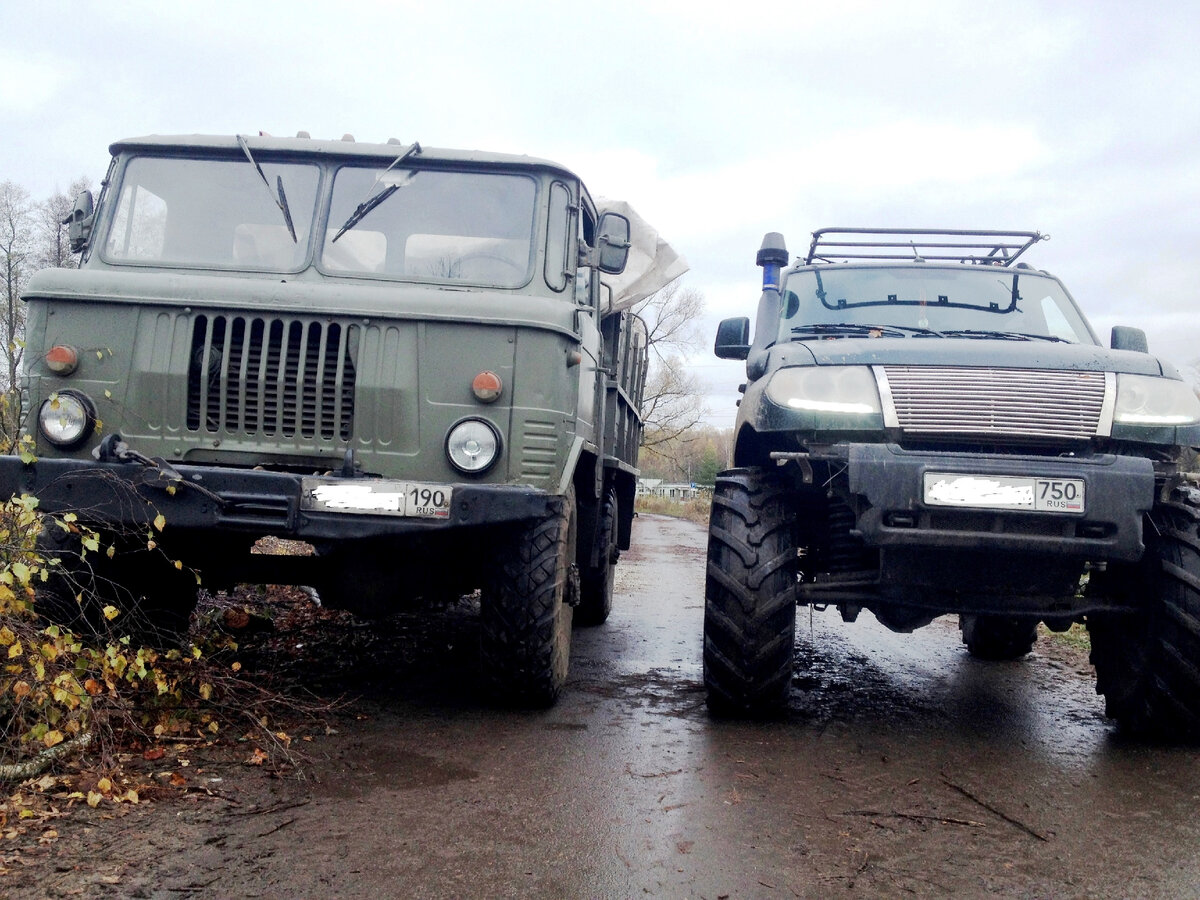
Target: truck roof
[346, 148]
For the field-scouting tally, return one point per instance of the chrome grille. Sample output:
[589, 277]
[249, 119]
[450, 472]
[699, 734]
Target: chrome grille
[276, 376]
[1026, 403]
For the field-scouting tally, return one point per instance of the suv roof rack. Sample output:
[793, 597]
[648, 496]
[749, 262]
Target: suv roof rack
[991, 248]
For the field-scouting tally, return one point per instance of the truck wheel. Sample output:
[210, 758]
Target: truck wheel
[154, 598]
[1148, 663]
[749, 594]
[596, 582]
[525, 610]
[997, 637]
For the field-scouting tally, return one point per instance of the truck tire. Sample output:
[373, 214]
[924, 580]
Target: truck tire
[596, 582]
[997, 637]
[749, 594]
[1148, 663]
[154, 598]
[526, 610]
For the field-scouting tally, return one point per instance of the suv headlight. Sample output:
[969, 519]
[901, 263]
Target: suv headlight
[1149, 400]
[67, 418]
[837, 390]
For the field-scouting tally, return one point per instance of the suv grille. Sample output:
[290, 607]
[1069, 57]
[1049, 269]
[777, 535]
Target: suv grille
[275, 376]
[996, 402]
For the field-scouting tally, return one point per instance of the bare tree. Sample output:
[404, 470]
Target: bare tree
[673, 401]
[53, 246]
[16, 214]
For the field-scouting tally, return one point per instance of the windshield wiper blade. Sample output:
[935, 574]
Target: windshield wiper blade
[373, 200]
[280, 200]
[1005, 335]
[853, 329]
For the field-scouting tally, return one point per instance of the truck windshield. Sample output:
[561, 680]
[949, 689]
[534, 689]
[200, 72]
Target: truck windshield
[212, 213]
[929, 301]
[428, 225]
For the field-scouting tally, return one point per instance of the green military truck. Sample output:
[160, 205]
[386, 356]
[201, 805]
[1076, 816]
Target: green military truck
[931, 426]
[418, 361]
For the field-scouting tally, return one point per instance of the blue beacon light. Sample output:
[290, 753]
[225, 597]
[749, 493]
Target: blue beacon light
[772, 256]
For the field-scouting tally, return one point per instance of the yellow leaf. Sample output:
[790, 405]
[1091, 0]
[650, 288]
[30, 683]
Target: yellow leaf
[52, 738]
[108, 394]
[214, 727]
[112, 550]
[131, 796]
[93, 799]
[150, 545]
[171, 489]
[160, 522]
[99, 355]
[104, 785]
[179, 564]
[15, 650]
[6, 636]
[237, 666]
[206, 691]
[111, 612]
[91, 542]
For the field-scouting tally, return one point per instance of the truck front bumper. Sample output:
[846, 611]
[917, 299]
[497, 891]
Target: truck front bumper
[243, 501]
[887, 487]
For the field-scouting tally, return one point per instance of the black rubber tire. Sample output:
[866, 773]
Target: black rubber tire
[596, 582]
[526, 610]
[997, 637]
[750, 594]
[1148, 663]
[154, 598]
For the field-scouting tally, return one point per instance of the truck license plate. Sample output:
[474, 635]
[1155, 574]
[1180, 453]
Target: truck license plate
[1065, 495]
[371, 496]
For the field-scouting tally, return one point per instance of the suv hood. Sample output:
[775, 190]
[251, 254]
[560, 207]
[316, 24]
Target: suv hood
[966, 352]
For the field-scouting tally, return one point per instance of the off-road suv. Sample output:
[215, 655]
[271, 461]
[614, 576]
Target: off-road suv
[930, 426]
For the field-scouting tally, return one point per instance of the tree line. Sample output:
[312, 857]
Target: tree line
[33, 236]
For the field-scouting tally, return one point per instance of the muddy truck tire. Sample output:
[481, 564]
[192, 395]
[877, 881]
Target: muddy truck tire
[749, 596]
[1148, 663]
[997, 637]
[526, 611]
[596, 582]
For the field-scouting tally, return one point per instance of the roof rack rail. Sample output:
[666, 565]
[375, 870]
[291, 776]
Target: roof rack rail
[990, 248]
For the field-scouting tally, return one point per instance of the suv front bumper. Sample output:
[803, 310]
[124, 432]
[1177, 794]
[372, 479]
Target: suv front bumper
[887, 485]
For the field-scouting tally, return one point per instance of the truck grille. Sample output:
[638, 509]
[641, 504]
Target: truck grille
[276, 376]
[996, 402]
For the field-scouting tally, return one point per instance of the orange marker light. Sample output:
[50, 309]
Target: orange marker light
[61, 359]
[486, 386]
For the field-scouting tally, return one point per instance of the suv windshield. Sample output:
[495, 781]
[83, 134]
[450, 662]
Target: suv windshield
[212, 213]
[929, 301]
[428, 225]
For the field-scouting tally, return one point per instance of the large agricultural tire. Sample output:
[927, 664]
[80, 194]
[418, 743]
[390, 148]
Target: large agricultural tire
[997, 637]
[596, 582]
[154, 599]
[1148, 663]
[750, 594]
[526, 610]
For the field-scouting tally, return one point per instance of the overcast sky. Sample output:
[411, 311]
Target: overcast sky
[718, 122]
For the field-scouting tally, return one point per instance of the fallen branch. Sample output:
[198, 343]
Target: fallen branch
[916, 817]
[36, 765]
[1003, 815]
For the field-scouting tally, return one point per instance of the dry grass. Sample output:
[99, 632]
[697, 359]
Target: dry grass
[693, 510]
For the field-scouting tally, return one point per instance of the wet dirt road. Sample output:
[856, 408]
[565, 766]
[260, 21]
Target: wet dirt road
[902, 768]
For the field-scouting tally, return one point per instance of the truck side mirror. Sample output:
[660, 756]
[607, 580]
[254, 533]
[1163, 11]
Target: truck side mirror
[79, 222]
[733, 338]
[1126, 338]
[612, 243]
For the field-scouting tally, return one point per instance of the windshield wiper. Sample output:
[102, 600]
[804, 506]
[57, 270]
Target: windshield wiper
[280, 200]
[1005, 335]
[373, 200]
[850, 329]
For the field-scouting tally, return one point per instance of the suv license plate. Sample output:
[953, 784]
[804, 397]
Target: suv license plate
[1064, 495]
[382, 498]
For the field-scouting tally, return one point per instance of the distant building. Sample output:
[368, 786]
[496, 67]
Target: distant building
[656, 487]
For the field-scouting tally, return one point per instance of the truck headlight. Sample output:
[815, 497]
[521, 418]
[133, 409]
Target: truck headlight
[67, 418]
[1149, 400]
[845, 390]
[472, 446]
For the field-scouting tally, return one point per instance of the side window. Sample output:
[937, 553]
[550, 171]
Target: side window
[140, 225]
[584, 276]
[558, 237]
[1056, 323]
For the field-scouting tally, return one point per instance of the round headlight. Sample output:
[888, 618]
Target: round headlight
[67, 419]
[472, 446]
